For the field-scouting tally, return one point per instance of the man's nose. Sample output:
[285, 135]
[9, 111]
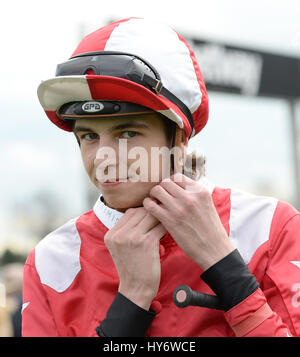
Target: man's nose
[107, 150]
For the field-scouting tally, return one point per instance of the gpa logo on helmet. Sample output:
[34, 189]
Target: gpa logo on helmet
[92, 107]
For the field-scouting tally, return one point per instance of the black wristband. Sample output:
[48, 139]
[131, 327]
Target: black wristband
[231, 280]
[125, 319]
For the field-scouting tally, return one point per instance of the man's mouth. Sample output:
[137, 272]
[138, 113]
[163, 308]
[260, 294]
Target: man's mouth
[112, 182]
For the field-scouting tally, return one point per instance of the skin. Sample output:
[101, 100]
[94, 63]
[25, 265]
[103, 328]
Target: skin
[179, 205]
[102, 134]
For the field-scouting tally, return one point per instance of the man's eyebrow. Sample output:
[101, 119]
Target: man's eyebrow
[81, 128]
[126, 125]
[130, 124]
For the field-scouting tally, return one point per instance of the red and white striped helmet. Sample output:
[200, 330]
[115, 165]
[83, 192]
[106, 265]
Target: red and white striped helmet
[159, 46]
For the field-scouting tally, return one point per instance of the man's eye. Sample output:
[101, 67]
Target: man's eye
[128, 134]
[90, 136]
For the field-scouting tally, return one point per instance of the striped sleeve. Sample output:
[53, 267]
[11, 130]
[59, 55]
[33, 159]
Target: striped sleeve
[273, 310]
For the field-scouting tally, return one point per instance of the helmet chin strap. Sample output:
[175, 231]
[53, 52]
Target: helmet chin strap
[179, 156]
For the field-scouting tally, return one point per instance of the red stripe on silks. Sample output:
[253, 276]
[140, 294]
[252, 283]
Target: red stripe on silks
[112, 88]
[201, 114]
[51, 114]
[222, 202]
[97, 40]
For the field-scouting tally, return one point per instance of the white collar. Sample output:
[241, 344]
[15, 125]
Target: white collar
[109, 216]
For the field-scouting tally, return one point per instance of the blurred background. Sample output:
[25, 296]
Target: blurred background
[251, 141]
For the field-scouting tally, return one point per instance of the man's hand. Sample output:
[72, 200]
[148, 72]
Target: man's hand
[187, 211]
[134, 246]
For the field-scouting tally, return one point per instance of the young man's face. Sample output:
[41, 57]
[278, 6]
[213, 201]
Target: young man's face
[109, 160]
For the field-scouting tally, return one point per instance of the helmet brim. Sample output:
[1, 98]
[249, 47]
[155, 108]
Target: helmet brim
[55, 92]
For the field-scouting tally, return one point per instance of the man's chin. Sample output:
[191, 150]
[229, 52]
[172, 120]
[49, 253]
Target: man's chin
[125, 197]
[122, 204]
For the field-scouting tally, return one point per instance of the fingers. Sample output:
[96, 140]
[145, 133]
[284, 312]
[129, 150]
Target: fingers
[176, 187]
[131, 217]
[157, 232]
[182, 180]
[156, 210]
[160, 193]
[137, 218]
[147, 223]
[172, 188]
[170, 193]
[187, 184]
[168, 189]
